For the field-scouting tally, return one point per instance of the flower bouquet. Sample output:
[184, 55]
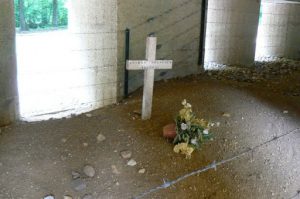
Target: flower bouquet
[191, 132]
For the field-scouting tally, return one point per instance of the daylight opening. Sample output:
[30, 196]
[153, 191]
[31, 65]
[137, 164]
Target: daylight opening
[42, 56]
[66, 60]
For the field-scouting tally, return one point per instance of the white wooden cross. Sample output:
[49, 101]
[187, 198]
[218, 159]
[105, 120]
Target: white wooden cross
[149, 65]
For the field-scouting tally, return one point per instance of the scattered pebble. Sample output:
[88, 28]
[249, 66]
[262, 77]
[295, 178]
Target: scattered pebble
[75, 175]
[115, 170]
[285, 112]
[100, 138]
[218, 124]
[265, 69]
[68, 197]
[142, 171]
[63, 158]
[126, 154]
[49, 197]
[89, 171]
[131, 163]
[63, 140]
[87, 196]
[78, 184]
[137, 112]
[88, 115]
[85, 144]
[226, 115]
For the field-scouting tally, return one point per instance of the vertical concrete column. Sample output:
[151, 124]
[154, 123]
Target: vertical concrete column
[231, 31]
[8, 74]
[93, 30]
[279, 30]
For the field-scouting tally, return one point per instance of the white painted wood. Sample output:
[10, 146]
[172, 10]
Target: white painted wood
[142, 65]
[147, 94]
[149, 65]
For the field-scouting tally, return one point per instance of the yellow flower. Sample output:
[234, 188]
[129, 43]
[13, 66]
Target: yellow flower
[185, 149]
[184, 102]
[186, 114]
[200, 122]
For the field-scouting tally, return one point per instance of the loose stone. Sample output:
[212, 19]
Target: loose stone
[85, 144]
[49, 197]
[226, 115]
[115, 170]
[126, 154]
[88, 115]
[78, 184]
[89, 171]
[75, 175]
[87, 196]
[131, 163]
[100, 138]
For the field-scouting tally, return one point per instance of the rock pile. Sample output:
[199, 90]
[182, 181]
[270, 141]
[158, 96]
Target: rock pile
[268, 69]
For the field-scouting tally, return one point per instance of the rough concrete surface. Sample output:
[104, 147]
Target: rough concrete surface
[278, 33]
[8, 75]
[37, 159]
[231, 31]
[176, 24]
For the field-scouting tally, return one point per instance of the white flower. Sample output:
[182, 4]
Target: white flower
[184, 126]
[184, 102]
[194, 141]
[188, 105]
[206, 132]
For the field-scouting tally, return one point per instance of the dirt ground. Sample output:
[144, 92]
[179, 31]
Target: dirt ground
[36, 159]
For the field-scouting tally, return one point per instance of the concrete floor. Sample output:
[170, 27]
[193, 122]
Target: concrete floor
[37, 159]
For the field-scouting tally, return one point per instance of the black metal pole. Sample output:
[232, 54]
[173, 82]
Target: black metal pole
[127, 43]
[202, 32]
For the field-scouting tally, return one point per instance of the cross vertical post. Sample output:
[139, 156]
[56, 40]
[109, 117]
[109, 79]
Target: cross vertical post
[148, 79]
[149, 65]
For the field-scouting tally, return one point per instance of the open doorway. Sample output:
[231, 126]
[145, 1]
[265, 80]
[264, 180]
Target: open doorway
[69, 67]
[42, 49]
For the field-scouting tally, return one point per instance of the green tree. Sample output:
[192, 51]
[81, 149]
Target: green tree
[40, 14]
[21, 16]
[55, 13]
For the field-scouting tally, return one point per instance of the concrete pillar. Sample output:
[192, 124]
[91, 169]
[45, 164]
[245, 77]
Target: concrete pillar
[93, 30]
[8, 74]
[231, 31]
[279, 29]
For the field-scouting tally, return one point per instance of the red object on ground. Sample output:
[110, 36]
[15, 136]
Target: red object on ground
[169, 131]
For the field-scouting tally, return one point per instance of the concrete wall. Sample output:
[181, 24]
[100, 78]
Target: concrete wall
[231, 31]
[93, 25]
[177, 27]
[279, 31]
[8, 85]
[93, 29]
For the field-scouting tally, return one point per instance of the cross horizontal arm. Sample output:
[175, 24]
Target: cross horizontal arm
[143, 64]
